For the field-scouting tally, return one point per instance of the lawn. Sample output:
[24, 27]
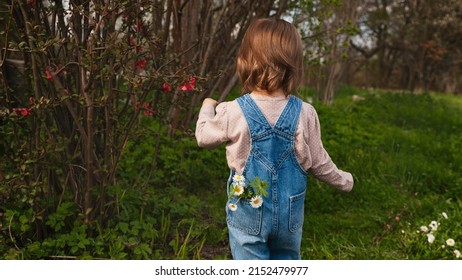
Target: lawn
[169, 201]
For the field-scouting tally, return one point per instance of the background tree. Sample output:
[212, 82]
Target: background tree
[206, 36]
[327, 27]
[411, 44]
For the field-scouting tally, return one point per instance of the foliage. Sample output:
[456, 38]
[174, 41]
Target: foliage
[84, 91]
[157, 217]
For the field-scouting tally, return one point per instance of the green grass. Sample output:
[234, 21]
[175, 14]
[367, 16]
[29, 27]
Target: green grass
[402, 149]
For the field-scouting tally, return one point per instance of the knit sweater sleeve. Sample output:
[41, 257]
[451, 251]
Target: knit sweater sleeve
[212, 127]
[323, 168]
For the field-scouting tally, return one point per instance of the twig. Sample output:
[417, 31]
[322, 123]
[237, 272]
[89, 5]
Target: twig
[10, 15]
[9, 231]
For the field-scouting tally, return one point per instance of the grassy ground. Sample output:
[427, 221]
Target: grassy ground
[402, 149]
[404, 152]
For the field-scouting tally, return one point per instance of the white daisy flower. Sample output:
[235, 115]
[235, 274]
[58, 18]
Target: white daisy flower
[238, 189]
[450, 242]
[232, 207]
[430, 237]
[444, 215]
[238, 178]
[256, 201]
[424, 229]
[433, 225]
[457, 253]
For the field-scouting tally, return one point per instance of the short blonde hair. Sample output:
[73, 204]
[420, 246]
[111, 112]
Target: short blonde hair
[270, 56]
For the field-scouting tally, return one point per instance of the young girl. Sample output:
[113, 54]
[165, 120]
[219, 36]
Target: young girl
[273, 139]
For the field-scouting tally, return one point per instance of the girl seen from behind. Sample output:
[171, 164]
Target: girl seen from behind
[273, 140]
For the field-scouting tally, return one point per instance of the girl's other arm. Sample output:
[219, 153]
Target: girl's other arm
[323, 167]
[211, 128]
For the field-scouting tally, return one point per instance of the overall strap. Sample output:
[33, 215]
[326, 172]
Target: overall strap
[288, 120]
[258, 124]
[256, 121]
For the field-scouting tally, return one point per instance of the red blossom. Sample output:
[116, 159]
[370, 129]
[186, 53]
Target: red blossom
[148, 110]
[188, 86]
[192, 80]
[31, 3]
[48, 74]
[166, 87]
[141, 63]
[23, 111]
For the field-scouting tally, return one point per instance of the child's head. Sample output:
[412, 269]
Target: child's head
[271, 56]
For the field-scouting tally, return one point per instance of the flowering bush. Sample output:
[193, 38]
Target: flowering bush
[67, 115]
[439, 239]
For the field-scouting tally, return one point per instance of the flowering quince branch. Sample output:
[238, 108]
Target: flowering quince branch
[148, 110]
[48, 75]
[141, 64]
[166, 87]
[23, 111]
[254, 192]
[188, 86]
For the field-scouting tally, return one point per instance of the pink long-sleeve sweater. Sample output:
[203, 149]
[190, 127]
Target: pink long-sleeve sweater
[227, 124]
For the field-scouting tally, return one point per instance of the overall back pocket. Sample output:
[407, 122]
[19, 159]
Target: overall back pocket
[296, 211]
[245, 217]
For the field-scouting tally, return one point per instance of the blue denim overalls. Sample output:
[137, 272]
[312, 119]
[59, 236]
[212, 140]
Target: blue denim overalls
[274, 230]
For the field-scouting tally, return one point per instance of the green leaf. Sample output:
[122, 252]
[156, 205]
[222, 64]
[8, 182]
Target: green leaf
[123, 227]
[260, 187]
[23, 219]
[232, 190]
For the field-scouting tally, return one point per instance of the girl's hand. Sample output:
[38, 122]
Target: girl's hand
[210, 101]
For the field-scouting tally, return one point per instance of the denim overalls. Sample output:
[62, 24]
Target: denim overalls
[274, 230]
